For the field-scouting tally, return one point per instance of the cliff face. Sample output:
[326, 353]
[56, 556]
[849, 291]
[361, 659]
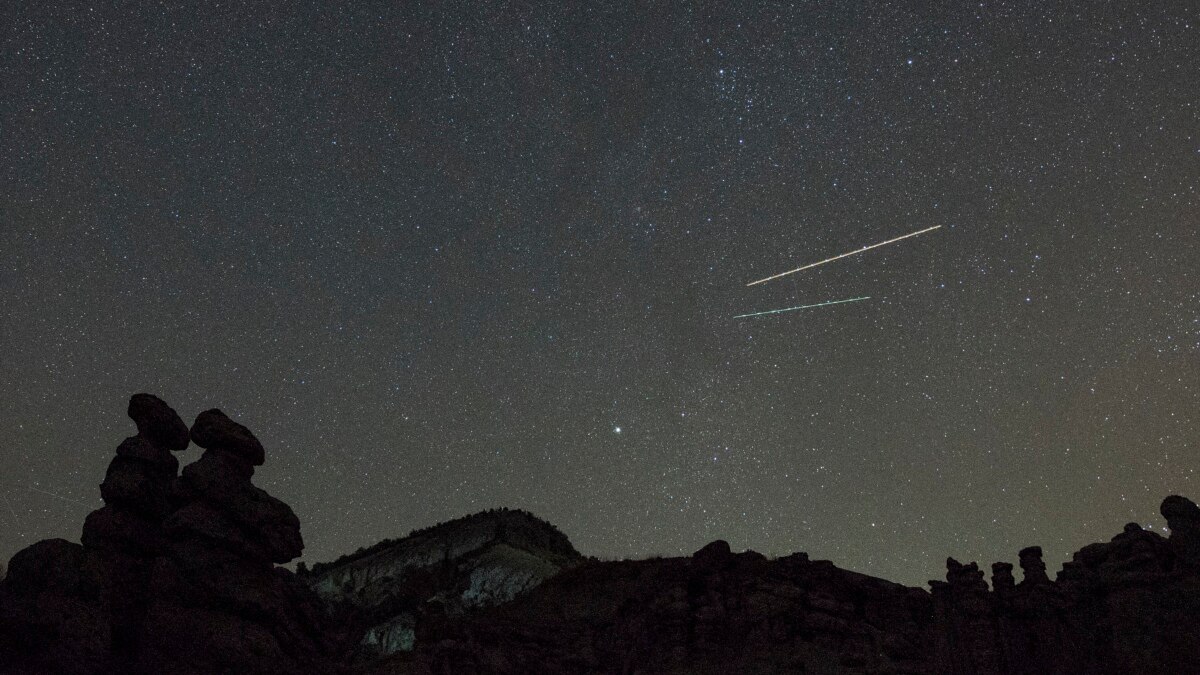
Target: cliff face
[472, 562]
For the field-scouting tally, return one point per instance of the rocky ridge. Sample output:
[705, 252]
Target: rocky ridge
[447, 571]
[1129, 605]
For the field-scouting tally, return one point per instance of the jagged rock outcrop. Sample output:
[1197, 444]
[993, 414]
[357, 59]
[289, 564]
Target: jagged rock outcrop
[1124, 606]
[446, 571]
[1183, 518]
[1032, 567]
[1002, 578]
[175, 574]
[1129, 605]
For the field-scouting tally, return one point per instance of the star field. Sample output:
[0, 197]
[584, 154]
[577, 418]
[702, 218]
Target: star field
[450, 257]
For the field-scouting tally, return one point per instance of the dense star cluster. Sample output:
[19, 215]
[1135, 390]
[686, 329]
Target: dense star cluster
[442, 257]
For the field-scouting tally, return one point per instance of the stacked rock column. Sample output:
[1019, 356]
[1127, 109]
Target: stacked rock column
[123, 537]
[219, 601]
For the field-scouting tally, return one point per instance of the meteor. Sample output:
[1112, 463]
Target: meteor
[792, 309]
[844, 255]
[16, 520]
[60, 497]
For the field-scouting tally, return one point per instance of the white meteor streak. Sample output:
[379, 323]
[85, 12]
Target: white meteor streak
[16, 520]
[844, 255]
[792, 309]
[60, 497]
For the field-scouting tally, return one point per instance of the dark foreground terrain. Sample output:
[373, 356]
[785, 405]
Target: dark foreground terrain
[178, 573]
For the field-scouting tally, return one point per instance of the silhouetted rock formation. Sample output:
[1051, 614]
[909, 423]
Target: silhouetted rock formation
[1126, 606]
[1119, 607]
[1032, 566]
[175, 574]
[157, 422]
[716, 612]
[1183, 517]
[446, 570]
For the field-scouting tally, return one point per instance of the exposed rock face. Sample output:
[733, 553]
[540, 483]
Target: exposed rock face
[175, 574]
[446, 570]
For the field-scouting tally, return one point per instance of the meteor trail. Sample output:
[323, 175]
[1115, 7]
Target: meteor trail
[792, 309]
[844, 255]
[65, 499]
[16, 520]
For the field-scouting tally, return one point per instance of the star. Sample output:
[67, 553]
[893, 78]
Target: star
[600, 266]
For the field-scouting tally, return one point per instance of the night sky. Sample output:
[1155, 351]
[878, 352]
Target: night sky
[465, 255]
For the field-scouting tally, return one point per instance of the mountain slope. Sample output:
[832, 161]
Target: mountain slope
[476, 561]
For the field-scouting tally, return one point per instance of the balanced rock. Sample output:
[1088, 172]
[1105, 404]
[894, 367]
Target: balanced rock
[158, 422]
[1183, 517]
[218, 604]
[214, 430]
[1032, 566]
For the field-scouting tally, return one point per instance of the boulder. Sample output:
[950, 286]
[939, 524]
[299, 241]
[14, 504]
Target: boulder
[136, 485]
[50, 617]
[49, 565]
[213, 430]
[199, 520]
[138, 447]
[158, 422]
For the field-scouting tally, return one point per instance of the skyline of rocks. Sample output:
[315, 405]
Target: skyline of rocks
[179, 572]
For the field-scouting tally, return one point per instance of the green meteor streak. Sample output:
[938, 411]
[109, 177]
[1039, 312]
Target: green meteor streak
[792, 309]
